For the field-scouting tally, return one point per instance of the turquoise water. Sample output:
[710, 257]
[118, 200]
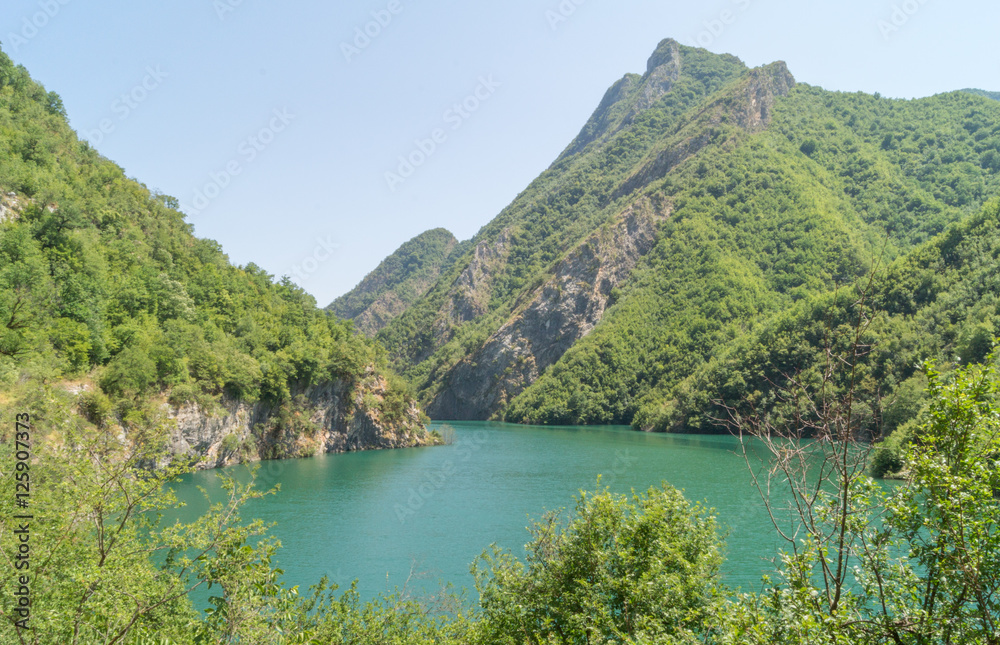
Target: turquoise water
[379, 517]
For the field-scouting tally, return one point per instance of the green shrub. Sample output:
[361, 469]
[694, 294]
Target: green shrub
[96, 407]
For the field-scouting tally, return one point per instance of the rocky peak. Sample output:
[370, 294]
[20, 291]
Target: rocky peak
[634, 94]
[753, 104]
[668, 52]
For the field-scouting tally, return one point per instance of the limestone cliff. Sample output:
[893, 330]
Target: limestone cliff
[333, 417]
[560, 312]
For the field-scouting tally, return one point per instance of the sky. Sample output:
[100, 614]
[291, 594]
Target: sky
[280, 126]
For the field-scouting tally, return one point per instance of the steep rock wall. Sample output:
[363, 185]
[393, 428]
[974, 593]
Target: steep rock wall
[333, 417]
[560, 312]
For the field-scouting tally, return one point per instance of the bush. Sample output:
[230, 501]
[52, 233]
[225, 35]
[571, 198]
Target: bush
[639, 568]
[96, 407]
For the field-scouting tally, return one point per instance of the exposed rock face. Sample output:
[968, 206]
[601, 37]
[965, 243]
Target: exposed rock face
[631, 95]
[397, 282]
[560, 312]
[469, 295]
[471, 291]
[10, 207]
[753, 106]
[749, 108]
[329, 418]
[382, 311]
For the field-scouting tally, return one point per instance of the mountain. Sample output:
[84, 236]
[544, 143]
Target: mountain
[700, 199]
[990, 95]
[939, 301]
[111, 307]
[397, 282]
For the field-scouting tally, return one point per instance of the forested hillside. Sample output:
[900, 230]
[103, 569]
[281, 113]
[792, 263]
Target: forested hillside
[107, 295]
[398, 281]
[700, 199]
[990, 95]
[939, 302]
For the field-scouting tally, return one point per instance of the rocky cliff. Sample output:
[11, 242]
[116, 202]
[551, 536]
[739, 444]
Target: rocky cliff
[333, 417]
[556, 315]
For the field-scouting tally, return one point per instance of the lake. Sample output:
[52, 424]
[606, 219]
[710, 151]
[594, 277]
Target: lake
[381, 516]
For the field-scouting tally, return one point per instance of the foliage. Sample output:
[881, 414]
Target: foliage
[623, 570]
[922, 558]
[926, 568]
[102, 277]
[103, 567]
[761, 223]
[938, 301]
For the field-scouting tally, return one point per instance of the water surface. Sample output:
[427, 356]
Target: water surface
[382, 517]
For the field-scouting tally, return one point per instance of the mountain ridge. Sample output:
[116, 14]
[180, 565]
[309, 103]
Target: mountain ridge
[399, 280]
[799, 185]
[114, 310]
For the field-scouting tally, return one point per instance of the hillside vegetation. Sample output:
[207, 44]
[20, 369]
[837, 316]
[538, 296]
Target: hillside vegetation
[398, 281]
[762, 194]
[103, 284]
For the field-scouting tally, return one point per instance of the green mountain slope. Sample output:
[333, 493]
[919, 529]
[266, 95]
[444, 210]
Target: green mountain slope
[102, 283]
[698, 200]
[990, 95]
[397, 282]
[940, 301]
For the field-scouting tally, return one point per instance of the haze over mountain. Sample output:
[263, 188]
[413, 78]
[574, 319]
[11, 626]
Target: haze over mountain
[990, 95]
[699, 200]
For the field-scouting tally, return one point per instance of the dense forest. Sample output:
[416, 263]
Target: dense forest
[822, 271]
[103, 288]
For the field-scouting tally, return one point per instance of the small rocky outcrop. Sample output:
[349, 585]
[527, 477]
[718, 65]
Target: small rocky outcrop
[11, 207]
[333, 417]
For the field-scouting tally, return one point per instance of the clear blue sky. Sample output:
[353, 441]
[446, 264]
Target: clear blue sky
[218, 73]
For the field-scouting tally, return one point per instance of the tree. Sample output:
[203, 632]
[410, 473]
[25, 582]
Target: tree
[639, 568]
[103, 568]
[919, 563]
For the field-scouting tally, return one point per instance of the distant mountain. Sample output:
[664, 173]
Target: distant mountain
[397, 282]
[990, 95]
[700, 199]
